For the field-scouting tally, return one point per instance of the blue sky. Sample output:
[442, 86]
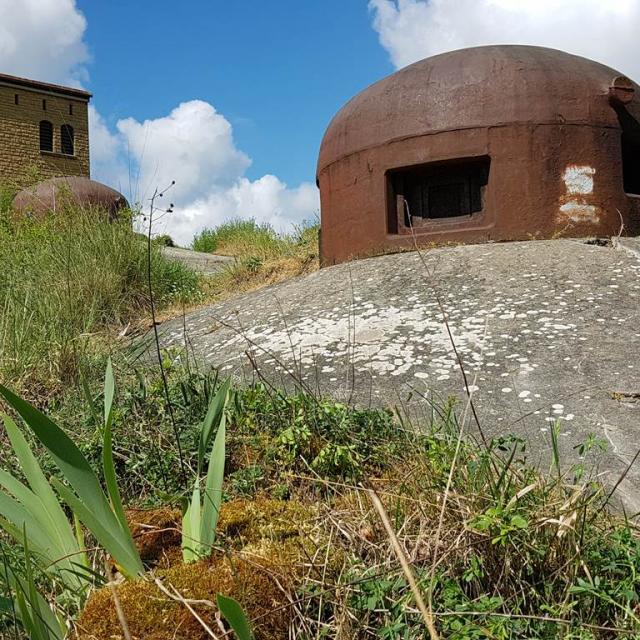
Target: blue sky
[278, 71]
[230, 99]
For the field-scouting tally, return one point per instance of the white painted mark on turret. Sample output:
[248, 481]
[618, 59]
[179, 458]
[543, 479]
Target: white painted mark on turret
[579, 184]
[579, 179]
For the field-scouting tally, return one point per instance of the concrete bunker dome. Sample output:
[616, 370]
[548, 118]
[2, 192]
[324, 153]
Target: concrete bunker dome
[488, 143]
[55, 194]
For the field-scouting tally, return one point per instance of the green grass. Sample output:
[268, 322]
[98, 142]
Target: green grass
[262, 256]
[7, 194]
[68, 279]
[244, 239]
[511, 553]
[497, 548]
[285, 432]
[239, 237]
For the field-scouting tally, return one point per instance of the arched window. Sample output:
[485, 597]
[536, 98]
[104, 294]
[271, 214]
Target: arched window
[46, 136]
[66, 139]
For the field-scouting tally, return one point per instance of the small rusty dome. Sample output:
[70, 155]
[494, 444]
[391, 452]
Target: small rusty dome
[487, 143]
[56, 193]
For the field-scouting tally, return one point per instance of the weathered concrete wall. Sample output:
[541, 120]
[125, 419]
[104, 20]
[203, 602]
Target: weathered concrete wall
[547, 331]
[545, 181]
[205, 263]
[20, 157]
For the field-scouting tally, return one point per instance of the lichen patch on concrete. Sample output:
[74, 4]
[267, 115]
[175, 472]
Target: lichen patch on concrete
[545, 331]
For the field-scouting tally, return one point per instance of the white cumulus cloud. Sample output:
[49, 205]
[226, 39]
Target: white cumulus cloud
[194, 147]
[43, 40]
[193, 144]
[267, 199]
[606, 31]
[107, 159]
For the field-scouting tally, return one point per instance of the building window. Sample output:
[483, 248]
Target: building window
[630, 147]
[66, 139]
[631, 161]
[70, 109]
[46, 136]
[16, 99]
[44, 105]
[437, 191]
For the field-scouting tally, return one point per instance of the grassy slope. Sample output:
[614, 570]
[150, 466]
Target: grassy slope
[262, 256]
[66, 282]
[496, 549]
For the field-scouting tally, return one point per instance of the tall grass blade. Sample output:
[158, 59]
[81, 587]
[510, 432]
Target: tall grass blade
[108, 465]
[79, 534]
[42, 504]
[212, 419]
[56, 549]
[35, 615]
[15, 517]
[199, 521]
[90, 502]
[213, 489]
[191, 527]
[236, 617]
[33, 473]
[32, 595]
[86, 392]
[124, 555]
[555, 448]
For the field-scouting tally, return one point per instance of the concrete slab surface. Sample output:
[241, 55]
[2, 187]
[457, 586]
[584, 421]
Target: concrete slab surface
[546, 330]
[630, 245]
[205, 263]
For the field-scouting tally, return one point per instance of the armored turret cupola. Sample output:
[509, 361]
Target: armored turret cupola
[487, 143]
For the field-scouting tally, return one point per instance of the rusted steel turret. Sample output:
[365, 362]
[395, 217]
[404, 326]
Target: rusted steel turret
[487, 143]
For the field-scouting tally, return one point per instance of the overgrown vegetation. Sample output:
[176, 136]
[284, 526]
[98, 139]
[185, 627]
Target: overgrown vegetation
[70, 277]
[239, 237]
[31, 513]
[496, 548]
[320, 519]
[272, 437]
[262, 256]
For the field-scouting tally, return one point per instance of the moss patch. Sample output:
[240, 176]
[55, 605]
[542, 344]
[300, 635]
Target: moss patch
[243, 522]
[156, 533]
[259, 586]
[267, 541]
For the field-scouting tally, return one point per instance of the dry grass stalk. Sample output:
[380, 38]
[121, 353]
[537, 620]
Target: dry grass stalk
[176, 596]
[402, 558]
[118, 605]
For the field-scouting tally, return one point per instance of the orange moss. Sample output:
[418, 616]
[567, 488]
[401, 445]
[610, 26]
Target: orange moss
[157, 532]
[270, 539]
[259, 586]
[248, 521]
[157, 536]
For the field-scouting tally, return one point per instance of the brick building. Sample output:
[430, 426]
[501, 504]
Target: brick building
[44, 130]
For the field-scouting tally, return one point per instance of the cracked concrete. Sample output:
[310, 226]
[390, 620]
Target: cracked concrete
[547, 331]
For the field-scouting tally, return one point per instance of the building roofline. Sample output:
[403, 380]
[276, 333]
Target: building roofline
[47, 87]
